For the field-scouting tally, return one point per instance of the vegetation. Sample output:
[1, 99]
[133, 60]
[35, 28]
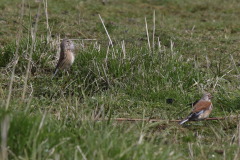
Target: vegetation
[195, 49]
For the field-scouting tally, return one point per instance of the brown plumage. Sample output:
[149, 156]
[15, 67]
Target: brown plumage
[201, 109]
[66, 56]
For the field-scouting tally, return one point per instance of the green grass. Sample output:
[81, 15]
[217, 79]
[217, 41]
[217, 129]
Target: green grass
[198, 52]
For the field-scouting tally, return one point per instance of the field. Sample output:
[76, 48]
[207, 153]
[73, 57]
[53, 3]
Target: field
[160, 50]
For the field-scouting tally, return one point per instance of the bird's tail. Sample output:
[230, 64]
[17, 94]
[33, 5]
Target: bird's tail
[183, 121]
[56, 70]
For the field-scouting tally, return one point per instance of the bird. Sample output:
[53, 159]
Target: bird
[201, 109]
[66, 56]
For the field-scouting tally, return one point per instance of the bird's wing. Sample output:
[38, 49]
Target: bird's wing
[193, 116]
[62, 56]
[201, 105]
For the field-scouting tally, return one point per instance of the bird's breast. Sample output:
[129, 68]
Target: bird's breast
[72, 59]
[205, 113]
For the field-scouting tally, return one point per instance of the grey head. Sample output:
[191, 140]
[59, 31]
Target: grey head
[67, 44]
[207, 97]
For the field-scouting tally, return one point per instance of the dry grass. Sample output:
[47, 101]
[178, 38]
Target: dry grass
[193, 49]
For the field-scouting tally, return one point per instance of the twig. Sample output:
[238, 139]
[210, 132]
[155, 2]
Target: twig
[192, 31]
[172, 44]
[41, 123]
[30, 57]
[82, 39]
[153, 29]
[31, 91]
[207, 64]
[4, 132]
[215, 84]
[16, 57]
[99, 113]
[79, 21]
[107, 53]
[106, 31]
[147, 34]
[159, 47]
[190, 150]
[234, 63]
[82, 34]
[48, 28]
[80, 150]
[123, 49]
[153, 120]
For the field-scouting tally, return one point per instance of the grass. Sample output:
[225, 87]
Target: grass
[197, 52]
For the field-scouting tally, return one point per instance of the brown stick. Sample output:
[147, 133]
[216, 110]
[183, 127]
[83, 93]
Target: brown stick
[82, 34]
[155, 120]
